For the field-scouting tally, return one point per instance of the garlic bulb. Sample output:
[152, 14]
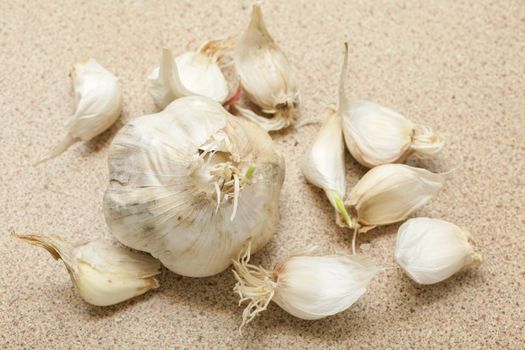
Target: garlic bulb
[390, 193]
[432, 250]
[323, 164]
[103, 273]
[192, 73]
[377, 135]
[99, 103]
[190, 184]
[266, 75]
[307, 285]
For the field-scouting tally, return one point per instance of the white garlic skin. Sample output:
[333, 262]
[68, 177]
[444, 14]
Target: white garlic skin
[162, 200]
[432, 250]
[313, 287]
[103, 273]
[98, 97]
[99, 100]
[390, 193]
[191, 73]
[323, 162]
[265, 73]
[377, 135]
[201, 74]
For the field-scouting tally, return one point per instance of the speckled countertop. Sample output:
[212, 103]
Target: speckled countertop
[456, 65]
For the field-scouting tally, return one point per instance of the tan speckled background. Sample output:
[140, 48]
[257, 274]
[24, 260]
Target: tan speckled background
[456, 65]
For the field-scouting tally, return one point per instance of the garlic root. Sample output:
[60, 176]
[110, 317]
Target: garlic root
[307, 285]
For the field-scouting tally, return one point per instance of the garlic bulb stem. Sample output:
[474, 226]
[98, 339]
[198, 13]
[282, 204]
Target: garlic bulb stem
[338, 204]
[249, 172]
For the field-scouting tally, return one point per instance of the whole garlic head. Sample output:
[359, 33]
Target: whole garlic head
[390, 193]
[266, 75]
[190, 184]
[376, 135]
[189, 74]
[307, 285]
[432, 250]
[103, 273]
[99, 103]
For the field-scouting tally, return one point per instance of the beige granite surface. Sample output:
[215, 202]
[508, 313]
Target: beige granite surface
[456, 65]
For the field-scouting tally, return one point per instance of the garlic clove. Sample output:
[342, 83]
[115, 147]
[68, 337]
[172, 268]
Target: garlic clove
[103, 273]
[432, 250]
[165, 82]
[98, 96]
[201, 74]
[190, 184]
[377, 135]
[189, 74]
[307, 285]
[390, 193]
[265, 73]
[323, 164]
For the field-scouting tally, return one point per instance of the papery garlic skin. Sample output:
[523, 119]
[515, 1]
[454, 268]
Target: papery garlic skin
[98, 96]
[189, 74]
[432, 250]
[102, 272]
[376, 135]
[190, 184]
[266, 75]
[306, 285]
[390, 193]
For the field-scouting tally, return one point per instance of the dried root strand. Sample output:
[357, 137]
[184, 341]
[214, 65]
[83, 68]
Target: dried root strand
[254, 283]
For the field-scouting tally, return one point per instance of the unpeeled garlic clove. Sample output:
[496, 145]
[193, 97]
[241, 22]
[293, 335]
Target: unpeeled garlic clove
[323, 164]
[103, 273]
[390, 193]
[189, 74]
[432, 250]
[99, 103]
[266, 75]
[307, 285]
[376, 135]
